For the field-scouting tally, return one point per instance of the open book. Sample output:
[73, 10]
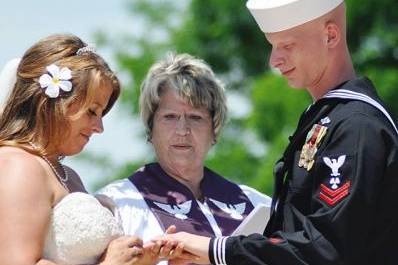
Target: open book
[255, 222]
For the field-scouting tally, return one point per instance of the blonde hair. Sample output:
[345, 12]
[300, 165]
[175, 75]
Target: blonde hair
[30, 115]
[192, 79]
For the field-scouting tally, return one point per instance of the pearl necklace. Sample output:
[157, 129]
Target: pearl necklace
[61, 179]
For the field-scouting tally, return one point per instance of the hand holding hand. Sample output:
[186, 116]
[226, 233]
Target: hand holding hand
[125, 250]
[182, 248]
[196, 246]
[163, 249]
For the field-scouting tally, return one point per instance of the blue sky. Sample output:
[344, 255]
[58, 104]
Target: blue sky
[23, 22]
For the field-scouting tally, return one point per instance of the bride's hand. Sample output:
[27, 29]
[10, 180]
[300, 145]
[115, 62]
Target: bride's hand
[125, 250]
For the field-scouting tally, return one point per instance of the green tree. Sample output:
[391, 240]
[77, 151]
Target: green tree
[223, 33]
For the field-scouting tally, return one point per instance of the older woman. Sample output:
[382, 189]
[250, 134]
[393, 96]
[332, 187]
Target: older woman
[183, 107]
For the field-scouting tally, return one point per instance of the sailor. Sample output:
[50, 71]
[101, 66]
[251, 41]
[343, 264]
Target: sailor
[336, 184]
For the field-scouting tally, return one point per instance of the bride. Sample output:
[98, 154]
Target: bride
[54, 100]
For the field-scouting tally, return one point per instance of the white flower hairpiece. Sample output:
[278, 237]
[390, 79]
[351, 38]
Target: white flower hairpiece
[55, 80]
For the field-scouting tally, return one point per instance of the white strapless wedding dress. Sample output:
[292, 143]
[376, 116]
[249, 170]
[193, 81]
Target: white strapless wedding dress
[80, 230]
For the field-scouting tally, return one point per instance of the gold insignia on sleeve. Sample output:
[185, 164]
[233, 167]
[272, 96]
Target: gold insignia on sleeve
[310, 147]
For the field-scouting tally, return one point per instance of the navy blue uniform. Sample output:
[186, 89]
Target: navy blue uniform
[336, 189]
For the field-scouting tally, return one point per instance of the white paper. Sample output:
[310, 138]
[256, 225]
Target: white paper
[255, 222]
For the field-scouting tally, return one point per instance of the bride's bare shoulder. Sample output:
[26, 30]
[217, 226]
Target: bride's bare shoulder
[14, 155]
[19, 164]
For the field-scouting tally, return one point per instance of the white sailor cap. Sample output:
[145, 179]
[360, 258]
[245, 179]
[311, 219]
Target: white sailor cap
[278, 15]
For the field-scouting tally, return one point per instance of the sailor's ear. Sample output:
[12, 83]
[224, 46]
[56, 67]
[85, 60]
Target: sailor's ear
[332, 34]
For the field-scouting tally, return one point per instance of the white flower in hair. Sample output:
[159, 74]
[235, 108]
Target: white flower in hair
[56, 79]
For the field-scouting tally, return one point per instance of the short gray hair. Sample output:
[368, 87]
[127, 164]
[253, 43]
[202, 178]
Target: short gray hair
[192, 79]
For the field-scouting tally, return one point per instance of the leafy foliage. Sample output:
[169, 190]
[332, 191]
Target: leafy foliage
[223, 33]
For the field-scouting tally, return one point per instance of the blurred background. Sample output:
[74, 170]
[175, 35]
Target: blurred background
[133, 34]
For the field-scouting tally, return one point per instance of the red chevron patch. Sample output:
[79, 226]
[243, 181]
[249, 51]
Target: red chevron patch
[332, 197]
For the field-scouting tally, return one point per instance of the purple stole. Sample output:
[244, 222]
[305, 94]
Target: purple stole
[174, 204]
